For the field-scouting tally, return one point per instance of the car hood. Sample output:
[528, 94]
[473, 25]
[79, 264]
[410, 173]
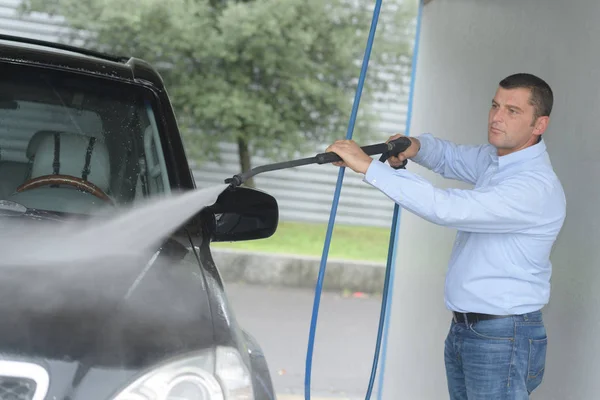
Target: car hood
[113, 314]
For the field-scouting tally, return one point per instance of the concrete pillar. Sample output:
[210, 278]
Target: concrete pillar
[466, 47]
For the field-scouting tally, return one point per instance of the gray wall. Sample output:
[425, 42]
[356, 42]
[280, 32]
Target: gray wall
[304, 193]
[467, 46]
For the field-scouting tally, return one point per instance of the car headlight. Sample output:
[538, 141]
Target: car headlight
[218, 374]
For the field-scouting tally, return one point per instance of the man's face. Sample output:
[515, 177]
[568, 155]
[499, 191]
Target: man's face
[511, 124]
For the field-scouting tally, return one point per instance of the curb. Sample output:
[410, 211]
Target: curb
[270, 269]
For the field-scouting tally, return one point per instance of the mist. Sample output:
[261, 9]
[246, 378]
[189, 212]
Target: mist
[63, 281]
[126, 232]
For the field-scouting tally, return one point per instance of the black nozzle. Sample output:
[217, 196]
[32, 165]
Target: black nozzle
[235, 180]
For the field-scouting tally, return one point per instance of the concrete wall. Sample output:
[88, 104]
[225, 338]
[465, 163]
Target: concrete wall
[467, 46]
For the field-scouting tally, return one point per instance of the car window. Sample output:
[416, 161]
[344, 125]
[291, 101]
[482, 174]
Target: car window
[77, 144]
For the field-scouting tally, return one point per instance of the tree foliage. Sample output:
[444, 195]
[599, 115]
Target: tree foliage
[273, 76]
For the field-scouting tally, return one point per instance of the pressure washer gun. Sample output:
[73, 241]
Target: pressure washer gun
[387, 150]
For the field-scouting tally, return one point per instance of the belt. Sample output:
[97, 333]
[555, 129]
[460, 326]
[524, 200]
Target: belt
[469, 318]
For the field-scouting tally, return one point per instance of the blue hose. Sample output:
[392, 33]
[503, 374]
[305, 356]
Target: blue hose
[336, 197]
[390, 266]
[389, 273]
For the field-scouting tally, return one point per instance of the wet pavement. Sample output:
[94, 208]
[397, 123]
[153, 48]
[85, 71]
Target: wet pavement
[344, 347]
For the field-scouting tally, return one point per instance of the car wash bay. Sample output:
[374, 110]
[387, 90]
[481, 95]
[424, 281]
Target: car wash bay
[466, 47]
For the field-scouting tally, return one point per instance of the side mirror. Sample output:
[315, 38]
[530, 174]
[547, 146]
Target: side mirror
[243, 214]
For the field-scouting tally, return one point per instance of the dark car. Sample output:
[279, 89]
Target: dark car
[81, 134]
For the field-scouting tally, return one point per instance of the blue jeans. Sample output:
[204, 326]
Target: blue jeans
[498, 359]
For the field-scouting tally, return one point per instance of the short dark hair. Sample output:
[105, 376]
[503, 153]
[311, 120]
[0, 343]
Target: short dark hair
[541, 97]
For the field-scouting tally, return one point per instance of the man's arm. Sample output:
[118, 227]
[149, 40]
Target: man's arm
[451, 160]
[516, 204]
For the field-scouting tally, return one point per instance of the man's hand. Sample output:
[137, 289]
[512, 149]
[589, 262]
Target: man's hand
[352, 155]
[412, 151]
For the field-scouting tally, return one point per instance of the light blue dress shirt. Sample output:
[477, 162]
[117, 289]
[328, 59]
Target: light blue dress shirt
[506, 225]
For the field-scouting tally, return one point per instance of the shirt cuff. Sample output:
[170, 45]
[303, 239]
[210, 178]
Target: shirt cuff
[377, 173]
[425, 140]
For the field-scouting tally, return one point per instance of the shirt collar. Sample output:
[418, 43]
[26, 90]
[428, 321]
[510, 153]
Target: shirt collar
[527, 153]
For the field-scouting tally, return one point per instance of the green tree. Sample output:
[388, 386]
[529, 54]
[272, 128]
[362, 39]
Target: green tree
[276, 77]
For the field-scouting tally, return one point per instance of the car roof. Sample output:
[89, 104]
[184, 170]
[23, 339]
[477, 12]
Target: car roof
[17, 49]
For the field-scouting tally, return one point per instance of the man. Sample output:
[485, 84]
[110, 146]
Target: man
[498, 277]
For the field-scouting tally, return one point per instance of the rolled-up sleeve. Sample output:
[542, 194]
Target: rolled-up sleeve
[510, 206]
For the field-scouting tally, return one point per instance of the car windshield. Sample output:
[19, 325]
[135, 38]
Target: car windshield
[72, 143]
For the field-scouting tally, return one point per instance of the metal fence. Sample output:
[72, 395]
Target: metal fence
[304, 193]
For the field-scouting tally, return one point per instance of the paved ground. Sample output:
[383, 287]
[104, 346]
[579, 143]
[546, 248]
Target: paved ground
[345, 339]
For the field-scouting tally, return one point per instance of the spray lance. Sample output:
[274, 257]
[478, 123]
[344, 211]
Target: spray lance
[387, 150]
